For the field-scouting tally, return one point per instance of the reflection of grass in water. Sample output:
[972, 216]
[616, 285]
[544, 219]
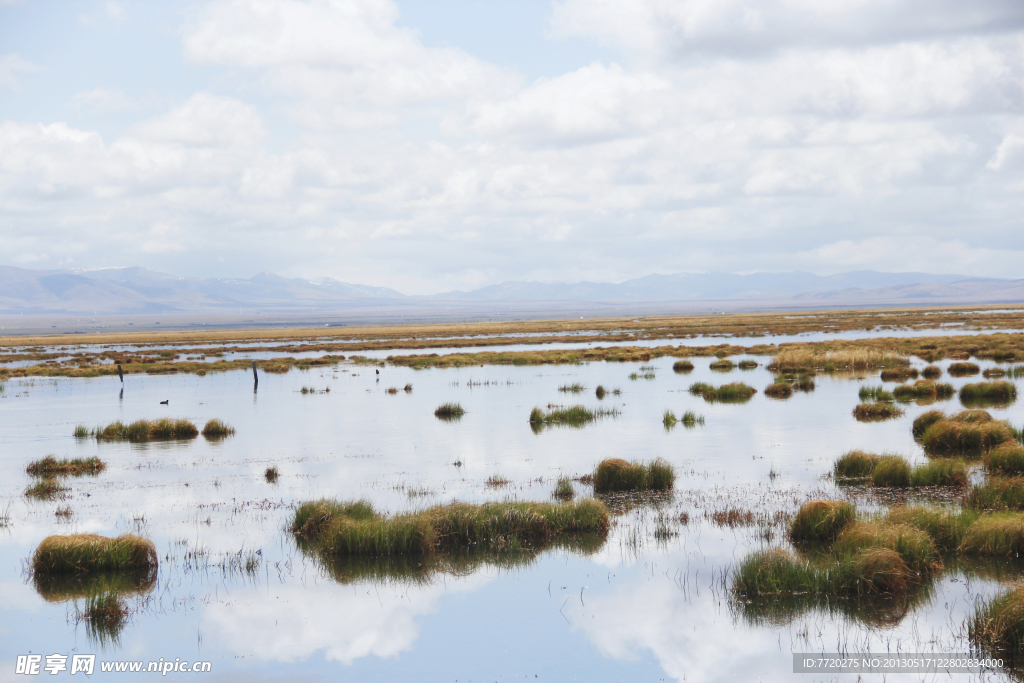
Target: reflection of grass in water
[62, 587]
[988, 394]
[997, 626]
[574, 388]
[691, 419]
[105, 616]
[45, 489]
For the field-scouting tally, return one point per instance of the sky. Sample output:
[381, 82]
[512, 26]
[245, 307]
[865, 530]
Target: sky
[431, 145]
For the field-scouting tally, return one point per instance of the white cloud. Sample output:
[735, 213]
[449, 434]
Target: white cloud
[12, 66]
[101, 100]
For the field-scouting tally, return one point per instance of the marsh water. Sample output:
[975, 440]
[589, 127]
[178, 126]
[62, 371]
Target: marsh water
[650, 603]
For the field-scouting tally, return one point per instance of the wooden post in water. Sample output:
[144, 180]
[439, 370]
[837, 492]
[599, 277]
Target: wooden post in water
[255, 377]
[120, 373]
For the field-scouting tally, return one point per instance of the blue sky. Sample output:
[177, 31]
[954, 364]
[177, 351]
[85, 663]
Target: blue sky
[449, 144]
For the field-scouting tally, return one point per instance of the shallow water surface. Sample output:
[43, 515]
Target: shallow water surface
[650, 603]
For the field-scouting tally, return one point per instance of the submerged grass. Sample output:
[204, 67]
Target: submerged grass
[47, 488]
[574, 388]
[355, 528]
[164, 429]
[735, 392]
[79, 553]
[616, 474]
[574, 416]
[51, 467]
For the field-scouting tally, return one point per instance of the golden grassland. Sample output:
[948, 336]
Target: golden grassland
[63, 355]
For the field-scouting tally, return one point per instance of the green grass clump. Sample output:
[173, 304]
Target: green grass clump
[574, 416]
[998, 493]
[891, 470]
[82, 432]
[79, 553]
[682, 366]
[564, 489]
[963, 369]
[669, 419]
[999, 534]
[616, 474]
[915, 546]
[952, 437]
[924, 390]
[997, 627]
[945, 472]
[925, 420]
[574, 388]
[217, 429]
[874, 394]
[993, 373]
[747, 364]
[449, 411]
[691, 419]
[776, 572]
[932, 372]
[355, 528]
[868, 571]
[898, 374]
[855, 465]
[778, 390]
[46, 488]
[875, 412]
[51, 467]
[600, 392]
[735, 392]
[821, 521]
[140, 431]
[1006, 459]
[988, 393]
[722, 365]
[945, 527]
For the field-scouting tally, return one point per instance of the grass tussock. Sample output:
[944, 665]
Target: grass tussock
[574, 388]
[564, 489]
[574, 416]
[821, 521]
[140, 431]
[997, 627]
[217, 429]
[874, 394]
[776, 573]
[51, 467]
[932, 372]
[924, 390]
[998, 493]
[894, 471]
[669, 419]
[691, 419]
[355, 528]
[963, 369]
[817, 358]
[900, 374]
[47, 488]
[600, 392]
[682, 366]
[722, 365]
[988, 393]
[747, 364]
[81, 553]
[914, 546]
[876, 412]
[778, 390]
[82, 432]
[449, 411]
[1006, 460]
[271, 474]
[956, 437]
[615, 474]
[735, 392]
[994, 373]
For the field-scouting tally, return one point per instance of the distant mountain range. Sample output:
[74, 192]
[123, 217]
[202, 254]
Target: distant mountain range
[125, 291]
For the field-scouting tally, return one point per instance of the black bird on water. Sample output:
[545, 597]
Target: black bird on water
[165, 403]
